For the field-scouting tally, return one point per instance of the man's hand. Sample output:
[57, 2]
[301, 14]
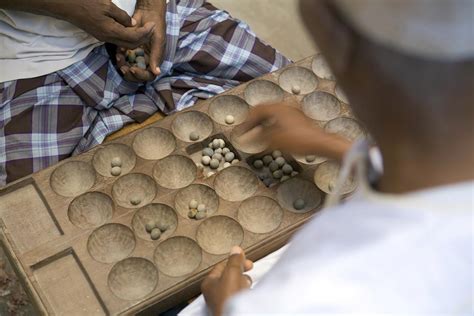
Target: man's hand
[226, 280]
[287, 128]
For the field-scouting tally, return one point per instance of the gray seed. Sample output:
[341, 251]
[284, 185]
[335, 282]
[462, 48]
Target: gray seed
[273, 166]
[140, 59]
[207, 152]
[276, 154]
[139, 52]
[229, 119]
[216, 143]
[235, 161]
[258, 164]
[267, 160]
[284, 178]
[295, 173]
[268, 182]
[280, 161]
[162, 226]
[149, 226]
[296, 89]
[116, 162]
[116, 171]
[194, 136]
[210, 145]
[218, 151]
[135, 201]
[287, 169]
[229, 157]
[214, 163]
[278, 174]
[225, 150]
[141, 65]
[201, 208]
[310, 158]
[193, 204]
[155, 234]
[221, 143]
[192, 213]
[201, 215]
[206, 160]
[217, 157]
[299, 204]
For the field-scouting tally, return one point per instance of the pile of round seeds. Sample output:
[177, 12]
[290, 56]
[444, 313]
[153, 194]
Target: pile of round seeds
[217, 156]
[155, 229]
[116, 166]
[277, 166]
[197, 211]
[137, 58]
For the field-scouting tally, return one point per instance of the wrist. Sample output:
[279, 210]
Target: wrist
[151, 4]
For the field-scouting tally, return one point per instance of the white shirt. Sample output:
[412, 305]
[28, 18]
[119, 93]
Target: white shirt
[377, 254]
[33, 45]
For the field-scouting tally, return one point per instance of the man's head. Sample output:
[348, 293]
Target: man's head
[407, 66]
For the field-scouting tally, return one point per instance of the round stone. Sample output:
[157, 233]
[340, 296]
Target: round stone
[155, 234]
[221, 143]
[131, 56]
[296, 89]
[141, 65]
[276, 154]
[227, 165]
[116, 171]
[273, 166]
[278, 174]
[295, 173]
[229, 157]
[194, 136]
[235, 161]
[287, 169]
[210, 145]
[214, 164]
[201, 208]
[193, 204]
[218, 151]
[149, 226]
[280, 161]
[216, 143]
[207, 152]
[299, 204]
[217, 157]
[162, 227]
[135, 201]
[201, 215]
[267, 160]
[284, 178]
[229, 119]
[140, 59]
[139, 52]
[225, 150]
[116, 162]
[206, 160]
[192, 213]
[258, 164]
[310, 158]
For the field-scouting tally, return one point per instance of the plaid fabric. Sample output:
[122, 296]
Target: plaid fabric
[49, 118]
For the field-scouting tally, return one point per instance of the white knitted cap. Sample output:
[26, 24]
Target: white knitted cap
[437, 29]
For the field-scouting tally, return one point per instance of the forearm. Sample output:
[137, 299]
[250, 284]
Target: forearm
[42, 7]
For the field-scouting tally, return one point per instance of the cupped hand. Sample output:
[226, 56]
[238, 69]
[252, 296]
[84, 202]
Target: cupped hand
[226, 280]
[105, 21]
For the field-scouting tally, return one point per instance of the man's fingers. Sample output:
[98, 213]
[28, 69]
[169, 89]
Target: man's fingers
[246, 281]
[158, 48]
[217, 271]
[120, 16]
[131, 37]
[248, 265]
[258, 114]
[142, 74]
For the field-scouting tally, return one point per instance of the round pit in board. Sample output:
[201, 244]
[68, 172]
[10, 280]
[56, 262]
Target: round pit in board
[321, 106]
[191, 122]
[132, 278]
[260, 214]
[345, 127]
[235, 184]
[72, 178]
[105, 159]
[294, 189]
[326, 176]
[199, 192]
[228, 110]
[175, 172]
[298, 80]
[110, 243]
[154, 216]
[321, 68]
[90, 210]
[133, 190]
[178, 256]
[263, 92]
[154, 143]
[218, 234]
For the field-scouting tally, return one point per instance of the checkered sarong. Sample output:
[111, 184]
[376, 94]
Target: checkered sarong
[49, 118]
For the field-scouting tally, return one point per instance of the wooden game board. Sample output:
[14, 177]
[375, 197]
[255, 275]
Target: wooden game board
[80, 246]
